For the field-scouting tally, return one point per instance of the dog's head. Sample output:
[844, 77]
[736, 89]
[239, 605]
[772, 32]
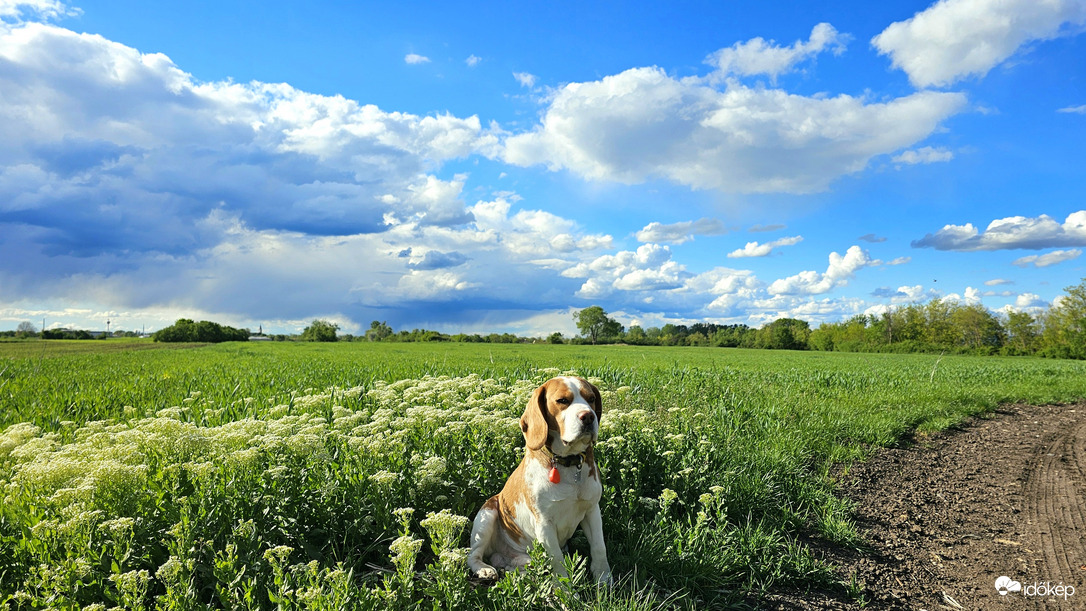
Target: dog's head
[570, 407]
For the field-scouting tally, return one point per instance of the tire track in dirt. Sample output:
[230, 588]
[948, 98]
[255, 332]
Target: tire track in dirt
[945, 516]
[1055, 503]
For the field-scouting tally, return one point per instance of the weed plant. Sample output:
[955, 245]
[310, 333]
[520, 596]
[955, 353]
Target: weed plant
[344, 476]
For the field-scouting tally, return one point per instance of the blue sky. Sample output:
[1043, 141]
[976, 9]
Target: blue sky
[477, 167]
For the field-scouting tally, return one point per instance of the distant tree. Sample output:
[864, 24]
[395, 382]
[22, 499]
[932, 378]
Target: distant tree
[855, 330]
[672, 335]
[26, 329]
[594, 324]
[205, 331]
[1023, 333]
[785, 334]
[320, 331]
[881, 329]
[636, 335]
[697, 339]
[939, 328]
[823, 337]
[555, 338]
[379, 330]
[1065, 324]
[907, 323]
[730, 336]
[977, 327]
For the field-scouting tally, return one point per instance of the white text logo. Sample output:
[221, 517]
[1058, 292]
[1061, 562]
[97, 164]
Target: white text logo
[1005, 585]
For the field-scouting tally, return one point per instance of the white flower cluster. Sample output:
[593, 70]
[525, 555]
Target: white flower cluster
[417, 441]
[417, 418]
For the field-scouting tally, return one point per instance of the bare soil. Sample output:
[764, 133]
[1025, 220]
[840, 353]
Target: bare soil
[943, 518]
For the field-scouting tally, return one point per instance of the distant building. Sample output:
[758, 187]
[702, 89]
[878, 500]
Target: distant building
[259, 335]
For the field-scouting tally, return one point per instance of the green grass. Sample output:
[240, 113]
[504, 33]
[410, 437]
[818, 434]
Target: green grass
[270, 473]
[39, 349]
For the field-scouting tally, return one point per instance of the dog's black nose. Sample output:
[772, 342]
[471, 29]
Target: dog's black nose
[587, 417]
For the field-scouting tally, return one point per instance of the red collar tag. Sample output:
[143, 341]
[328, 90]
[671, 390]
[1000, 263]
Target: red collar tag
[573, 460]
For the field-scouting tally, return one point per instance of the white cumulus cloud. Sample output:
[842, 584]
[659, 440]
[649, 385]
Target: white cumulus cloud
[754, 249]
[841, 269]
[678, 233]
[130, 186]
[649, 268]
[955, 39]
[1028, 300]
[525, 79]
[1030, 303]
[535, 235]
[925, 154]
[89, 124]
[1010, 233]
[758, 56]
[643, 124]
[415, 58]
[1052, 258]
[731, 290]
[17, 10]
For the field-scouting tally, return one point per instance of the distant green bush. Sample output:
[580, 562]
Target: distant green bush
[320, 331]
[66, 334]
[205, 331]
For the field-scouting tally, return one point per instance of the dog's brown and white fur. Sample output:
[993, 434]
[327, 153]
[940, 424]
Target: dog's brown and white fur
[561, 419]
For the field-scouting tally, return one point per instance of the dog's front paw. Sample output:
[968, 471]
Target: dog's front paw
[487, 572]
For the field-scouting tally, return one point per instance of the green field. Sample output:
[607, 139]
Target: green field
[275, 475]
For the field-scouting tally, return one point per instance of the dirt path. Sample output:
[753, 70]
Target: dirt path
[945, 518]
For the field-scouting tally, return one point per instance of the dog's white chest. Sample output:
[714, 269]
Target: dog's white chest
[564, 503]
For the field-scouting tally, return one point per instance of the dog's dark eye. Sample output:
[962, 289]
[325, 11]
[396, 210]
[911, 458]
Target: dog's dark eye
[563, 401]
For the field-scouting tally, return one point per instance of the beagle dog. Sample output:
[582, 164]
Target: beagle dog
[555, 488]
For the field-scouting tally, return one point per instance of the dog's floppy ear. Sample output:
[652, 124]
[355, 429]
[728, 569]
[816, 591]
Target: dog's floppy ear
[597, 405]
[534, 421]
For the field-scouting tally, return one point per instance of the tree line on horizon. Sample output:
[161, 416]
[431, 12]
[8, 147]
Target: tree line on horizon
[940, 325]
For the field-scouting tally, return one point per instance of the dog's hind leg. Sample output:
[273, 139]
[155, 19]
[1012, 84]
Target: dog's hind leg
[482, 535]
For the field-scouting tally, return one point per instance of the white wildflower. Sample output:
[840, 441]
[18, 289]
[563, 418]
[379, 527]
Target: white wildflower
[444, 528]
[278, 555]
[384, 478]
[404, 550]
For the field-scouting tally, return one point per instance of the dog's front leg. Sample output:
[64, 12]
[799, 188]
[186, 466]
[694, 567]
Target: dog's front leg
[592, 524]
[548, 536]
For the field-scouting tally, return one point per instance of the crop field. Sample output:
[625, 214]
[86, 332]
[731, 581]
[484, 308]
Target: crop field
[343, 476]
